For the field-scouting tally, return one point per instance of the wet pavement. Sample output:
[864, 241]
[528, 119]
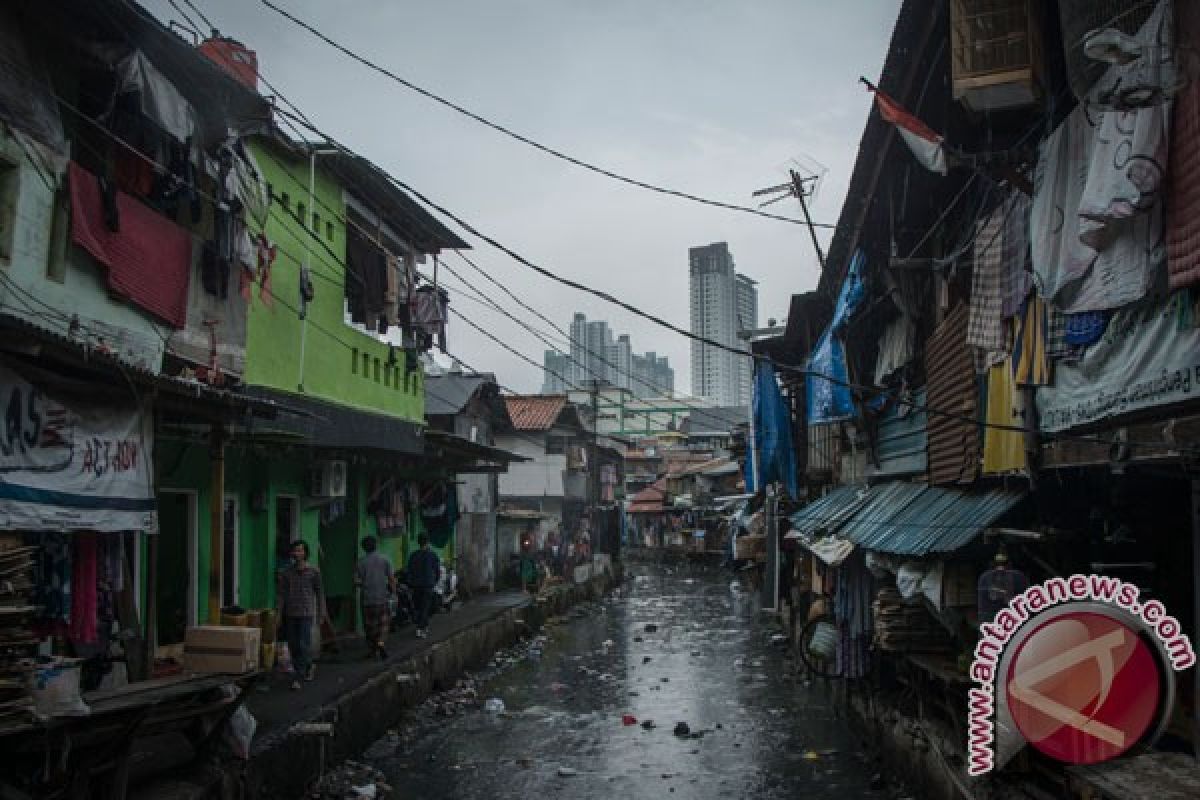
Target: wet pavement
[674, 645]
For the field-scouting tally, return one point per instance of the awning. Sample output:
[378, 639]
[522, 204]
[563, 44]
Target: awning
[828, 513]
[909, 519]
[334, 426]
[450, 447]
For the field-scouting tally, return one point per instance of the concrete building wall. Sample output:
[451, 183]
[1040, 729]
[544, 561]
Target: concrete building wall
[540, 477]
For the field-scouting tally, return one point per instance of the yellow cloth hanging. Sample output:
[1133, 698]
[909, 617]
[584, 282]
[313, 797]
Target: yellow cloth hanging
[1031, 367]
[1003, 450]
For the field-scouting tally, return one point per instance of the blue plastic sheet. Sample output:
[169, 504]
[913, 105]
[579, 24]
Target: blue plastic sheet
[830, 400]
[773, 447]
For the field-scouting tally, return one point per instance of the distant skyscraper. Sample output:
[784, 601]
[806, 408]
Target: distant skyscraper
[722, 304]
[597, 356]
[747, 319]
[557, 367]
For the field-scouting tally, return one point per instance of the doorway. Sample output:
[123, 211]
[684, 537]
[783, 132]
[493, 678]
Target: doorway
[176, 565]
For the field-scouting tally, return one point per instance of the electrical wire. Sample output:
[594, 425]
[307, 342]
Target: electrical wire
[526, 140]
[959, 416]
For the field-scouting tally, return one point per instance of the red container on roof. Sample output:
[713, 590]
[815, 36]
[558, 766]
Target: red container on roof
[237, 59]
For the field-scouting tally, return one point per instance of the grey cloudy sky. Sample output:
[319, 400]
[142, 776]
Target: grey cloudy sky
[714, 98]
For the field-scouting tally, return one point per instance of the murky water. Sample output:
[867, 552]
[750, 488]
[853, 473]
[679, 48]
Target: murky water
[675, 645]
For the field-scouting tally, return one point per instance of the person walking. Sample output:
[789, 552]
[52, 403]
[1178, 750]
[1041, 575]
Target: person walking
[301, 600]
[423, 570]
[376, 583]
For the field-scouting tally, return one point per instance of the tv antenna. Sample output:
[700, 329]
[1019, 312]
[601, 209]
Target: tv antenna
[804, 181]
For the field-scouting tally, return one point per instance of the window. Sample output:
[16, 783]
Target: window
[329, 230]
[316, 223]
[300, 213]
[285, 201]
[354, 361]
[10, 185]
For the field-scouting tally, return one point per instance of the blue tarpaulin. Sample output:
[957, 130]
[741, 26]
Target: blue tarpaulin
[773, 449]
[831, 400]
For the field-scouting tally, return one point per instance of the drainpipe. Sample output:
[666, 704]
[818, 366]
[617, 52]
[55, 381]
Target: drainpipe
[312, 180]
[216, 510]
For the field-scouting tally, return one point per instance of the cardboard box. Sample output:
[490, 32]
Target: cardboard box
[220, 648]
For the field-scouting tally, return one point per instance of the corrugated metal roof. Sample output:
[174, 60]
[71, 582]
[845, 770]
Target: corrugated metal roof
[950, 373]
[931, 520]
[882, 504]
[828, 513]
[901, 518]
[535, 412]
[903, 439]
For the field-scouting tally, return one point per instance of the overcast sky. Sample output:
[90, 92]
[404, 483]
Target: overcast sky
[712, 97]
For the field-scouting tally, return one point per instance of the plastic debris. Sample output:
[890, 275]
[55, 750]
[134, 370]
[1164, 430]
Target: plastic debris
[628, 719]
[566, 772]
[682, 729]
[494, 705]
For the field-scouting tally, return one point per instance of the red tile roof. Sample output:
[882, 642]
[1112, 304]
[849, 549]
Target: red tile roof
[651, 499]
[535, 412]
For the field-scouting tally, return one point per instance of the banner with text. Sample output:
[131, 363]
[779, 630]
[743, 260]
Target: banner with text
[66, 464]
[1149, 356]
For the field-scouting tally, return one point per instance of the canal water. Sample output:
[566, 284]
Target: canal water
[676, 644]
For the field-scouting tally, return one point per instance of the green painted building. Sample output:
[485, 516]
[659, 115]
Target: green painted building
[352, 399]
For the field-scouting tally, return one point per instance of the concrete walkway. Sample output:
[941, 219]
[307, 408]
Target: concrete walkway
[276, 707]
[357, 698]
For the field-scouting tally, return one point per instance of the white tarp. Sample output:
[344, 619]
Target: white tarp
[1097, 218]
[1147, 357]
[66, 464]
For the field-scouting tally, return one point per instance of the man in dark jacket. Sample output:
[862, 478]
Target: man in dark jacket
[422, 575]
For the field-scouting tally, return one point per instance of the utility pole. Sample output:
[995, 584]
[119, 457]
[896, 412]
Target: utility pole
[801, 187]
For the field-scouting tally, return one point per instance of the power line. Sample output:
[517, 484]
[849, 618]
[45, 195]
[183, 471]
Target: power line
[966, 418]
[525, 139]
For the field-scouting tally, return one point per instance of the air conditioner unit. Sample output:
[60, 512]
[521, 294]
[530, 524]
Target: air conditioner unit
[328, 479]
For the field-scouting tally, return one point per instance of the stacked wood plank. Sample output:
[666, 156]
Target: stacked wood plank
[902, 627]
[17, 641]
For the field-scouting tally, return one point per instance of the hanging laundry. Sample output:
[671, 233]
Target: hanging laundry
[1016, 264]
[1003, 449]
[429, 313]
[897, 345]
[148, 260]
[306, 289]
[985, 325]
[157, 97]
[1096, 230]
[53, 584]
[265, 256]
[1031, 366]
[84, 573]
[1084, 328]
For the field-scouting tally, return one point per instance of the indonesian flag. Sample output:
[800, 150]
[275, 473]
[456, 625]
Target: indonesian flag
[920, 138]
